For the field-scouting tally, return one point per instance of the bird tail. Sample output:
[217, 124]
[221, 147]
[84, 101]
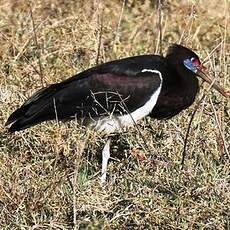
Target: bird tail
[38, 108]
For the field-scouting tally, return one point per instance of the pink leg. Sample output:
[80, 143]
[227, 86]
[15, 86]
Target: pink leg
[105, 158]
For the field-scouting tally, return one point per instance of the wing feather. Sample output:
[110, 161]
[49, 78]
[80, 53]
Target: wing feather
[99, 91]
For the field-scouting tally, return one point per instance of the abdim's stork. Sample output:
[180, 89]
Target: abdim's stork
[116, 94]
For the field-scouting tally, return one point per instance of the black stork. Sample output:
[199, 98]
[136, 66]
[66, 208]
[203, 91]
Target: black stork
[117, 94]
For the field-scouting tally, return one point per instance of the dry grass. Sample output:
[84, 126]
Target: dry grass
[50, 173]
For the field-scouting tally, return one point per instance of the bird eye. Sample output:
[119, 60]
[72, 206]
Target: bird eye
[195, 62]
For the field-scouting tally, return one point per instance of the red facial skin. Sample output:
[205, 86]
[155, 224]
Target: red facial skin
[201, 73]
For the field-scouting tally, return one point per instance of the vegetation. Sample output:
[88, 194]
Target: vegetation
[49, 174]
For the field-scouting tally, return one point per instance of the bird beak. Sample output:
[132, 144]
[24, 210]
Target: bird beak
[211, 81]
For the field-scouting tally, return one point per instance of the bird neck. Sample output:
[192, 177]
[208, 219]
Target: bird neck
[181, 75]
[181, 81]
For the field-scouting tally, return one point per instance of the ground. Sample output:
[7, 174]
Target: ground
[49, 174]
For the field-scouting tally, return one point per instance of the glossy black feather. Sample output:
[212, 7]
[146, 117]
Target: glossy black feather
[117, 87]
[179, 89]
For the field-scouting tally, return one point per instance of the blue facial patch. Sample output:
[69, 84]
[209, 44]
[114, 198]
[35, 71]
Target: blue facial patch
[188, 64]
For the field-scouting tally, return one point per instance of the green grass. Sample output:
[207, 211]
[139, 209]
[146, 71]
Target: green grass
[49, 174]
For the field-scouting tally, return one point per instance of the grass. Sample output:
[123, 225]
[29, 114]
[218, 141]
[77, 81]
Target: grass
[50, 173]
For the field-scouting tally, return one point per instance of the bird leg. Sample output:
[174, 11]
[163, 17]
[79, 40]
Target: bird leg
[105, 158]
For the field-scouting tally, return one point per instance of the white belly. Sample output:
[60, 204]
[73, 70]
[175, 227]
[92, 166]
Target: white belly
[113, 123]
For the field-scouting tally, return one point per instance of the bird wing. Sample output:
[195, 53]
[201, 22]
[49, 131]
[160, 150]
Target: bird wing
[106, 94]
[97, 92]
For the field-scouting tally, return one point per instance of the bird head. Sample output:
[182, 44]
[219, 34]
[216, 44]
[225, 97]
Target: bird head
[199, 69]
[192, 63]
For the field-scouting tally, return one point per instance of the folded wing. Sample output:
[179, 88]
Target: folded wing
[91, 94]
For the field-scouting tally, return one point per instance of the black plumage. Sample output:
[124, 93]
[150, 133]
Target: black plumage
[118, 87]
